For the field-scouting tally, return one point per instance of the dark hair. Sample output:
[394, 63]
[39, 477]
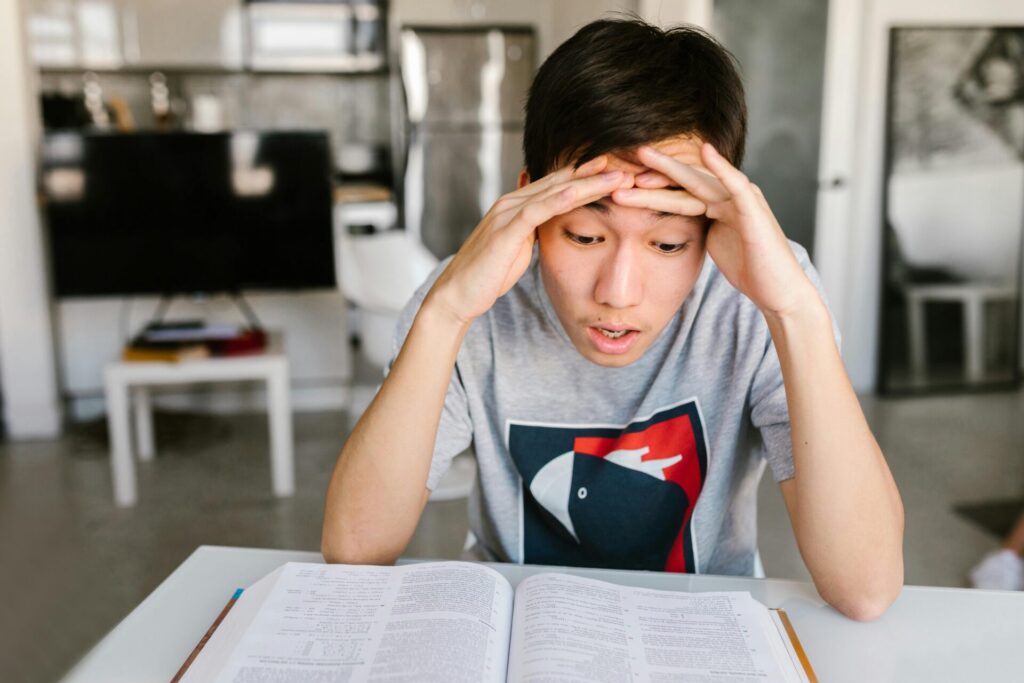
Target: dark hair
[620, 83]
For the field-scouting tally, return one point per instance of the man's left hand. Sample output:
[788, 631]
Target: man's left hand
[744, 239]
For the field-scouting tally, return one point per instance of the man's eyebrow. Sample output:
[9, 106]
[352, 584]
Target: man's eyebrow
[601, 207]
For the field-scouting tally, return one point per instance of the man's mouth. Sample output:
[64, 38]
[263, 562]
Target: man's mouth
[612, 335]
[613, 339]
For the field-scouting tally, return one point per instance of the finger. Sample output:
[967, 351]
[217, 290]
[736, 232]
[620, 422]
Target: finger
[707, 188]
[511, 202]
[602, 180]
[514, 199]
[653, 180]
[621, 163]
[566, 173]
[678, 202]
[734, 181]
[572, 195]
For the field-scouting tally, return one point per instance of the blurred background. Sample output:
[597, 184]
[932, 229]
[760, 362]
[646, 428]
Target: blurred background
[198, 180]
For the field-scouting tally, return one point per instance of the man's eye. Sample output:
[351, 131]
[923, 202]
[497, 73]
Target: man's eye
[585, 240]
[666, 248]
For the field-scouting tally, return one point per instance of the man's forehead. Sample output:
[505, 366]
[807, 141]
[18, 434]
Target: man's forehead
[611, 214]
[685, 148]
[604, 207]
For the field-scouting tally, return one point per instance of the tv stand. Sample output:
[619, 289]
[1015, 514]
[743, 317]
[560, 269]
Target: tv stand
[157, 320]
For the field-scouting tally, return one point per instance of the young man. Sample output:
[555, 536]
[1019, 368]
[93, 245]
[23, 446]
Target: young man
[623, 393]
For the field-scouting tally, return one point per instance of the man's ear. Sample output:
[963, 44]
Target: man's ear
[524, 179]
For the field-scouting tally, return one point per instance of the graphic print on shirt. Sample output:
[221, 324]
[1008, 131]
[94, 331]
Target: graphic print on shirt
[616, 497]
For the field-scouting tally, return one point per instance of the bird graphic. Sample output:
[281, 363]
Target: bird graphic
[552, 486]
[612, 496]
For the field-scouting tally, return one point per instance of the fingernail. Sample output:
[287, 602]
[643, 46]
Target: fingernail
[611, 175]
[625, 193]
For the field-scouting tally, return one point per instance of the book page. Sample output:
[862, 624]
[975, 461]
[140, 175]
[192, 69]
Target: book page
[572, 629]
[442, 621]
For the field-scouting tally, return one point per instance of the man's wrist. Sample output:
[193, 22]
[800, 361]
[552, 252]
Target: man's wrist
[437, 315]
[807, 314]
[804, 304]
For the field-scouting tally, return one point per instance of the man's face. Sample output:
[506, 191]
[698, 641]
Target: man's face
[616, 275]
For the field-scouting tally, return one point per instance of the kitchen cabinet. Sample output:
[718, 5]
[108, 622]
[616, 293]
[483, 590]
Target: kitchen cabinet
[114, 34]
[74, 33]
[169, 33]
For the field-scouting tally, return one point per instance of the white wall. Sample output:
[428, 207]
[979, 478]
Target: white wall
[967, 219]
[27, 371]
[848, 233]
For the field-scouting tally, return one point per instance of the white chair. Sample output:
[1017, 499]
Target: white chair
[379, 272]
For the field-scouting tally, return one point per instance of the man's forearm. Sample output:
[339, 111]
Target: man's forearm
[845, 507]
[378, 489]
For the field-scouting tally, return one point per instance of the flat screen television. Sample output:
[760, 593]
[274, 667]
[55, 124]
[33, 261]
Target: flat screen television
[177, 213]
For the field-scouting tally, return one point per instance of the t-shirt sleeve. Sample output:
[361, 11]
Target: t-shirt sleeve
[769, 412]
[455, 430]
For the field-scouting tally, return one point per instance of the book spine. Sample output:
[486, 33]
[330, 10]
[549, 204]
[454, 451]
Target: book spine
[206, 637]
[797, 647]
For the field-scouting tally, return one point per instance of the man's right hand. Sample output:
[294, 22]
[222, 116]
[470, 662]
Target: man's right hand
[498, 251]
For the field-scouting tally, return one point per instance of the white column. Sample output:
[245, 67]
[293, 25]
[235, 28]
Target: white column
[836, 162]
[27, 364]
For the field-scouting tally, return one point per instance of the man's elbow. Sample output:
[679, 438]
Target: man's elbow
[869, 604]
[345, 549]
[334, 552]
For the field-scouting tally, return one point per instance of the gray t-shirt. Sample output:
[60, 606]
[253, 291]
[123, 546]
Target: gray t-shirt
[654, 465]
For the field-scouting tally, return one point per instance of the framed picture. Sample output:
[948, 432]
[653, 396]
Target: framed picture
[953, 210]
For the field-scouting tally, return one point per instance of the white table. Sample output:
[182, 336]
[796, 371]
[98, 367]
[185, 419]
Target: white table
[973, 296]
[929, 634]
[133, 379]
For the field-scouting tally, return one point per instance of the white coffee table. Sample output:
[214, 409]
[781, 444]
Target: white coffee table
[129, 383]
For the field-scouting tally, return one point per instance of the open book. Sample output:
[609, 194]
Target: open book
[460, 622]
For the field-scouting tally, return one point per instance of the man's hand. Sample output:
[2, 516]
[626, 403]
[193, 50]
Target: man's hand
[744, 239]
[842, 501]
[498, 251]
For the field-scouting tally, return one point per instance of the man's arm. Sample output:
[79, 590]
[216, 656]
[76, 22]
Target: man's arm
[378, 488]
[843, 503]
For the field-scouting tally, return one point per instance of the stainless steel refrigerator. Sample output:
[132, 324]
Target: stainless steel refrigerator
[464, 90]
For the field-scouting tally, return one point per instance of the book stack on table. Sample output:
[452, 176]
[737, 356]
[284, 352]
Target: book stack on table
[172, 342]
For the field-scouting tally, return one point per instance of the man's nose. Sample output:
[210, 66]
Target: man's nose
[620, 281]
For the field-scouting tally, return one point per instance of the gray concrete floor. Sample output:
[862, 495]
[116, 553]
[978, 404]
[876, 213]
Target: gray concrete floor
[72, 564]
